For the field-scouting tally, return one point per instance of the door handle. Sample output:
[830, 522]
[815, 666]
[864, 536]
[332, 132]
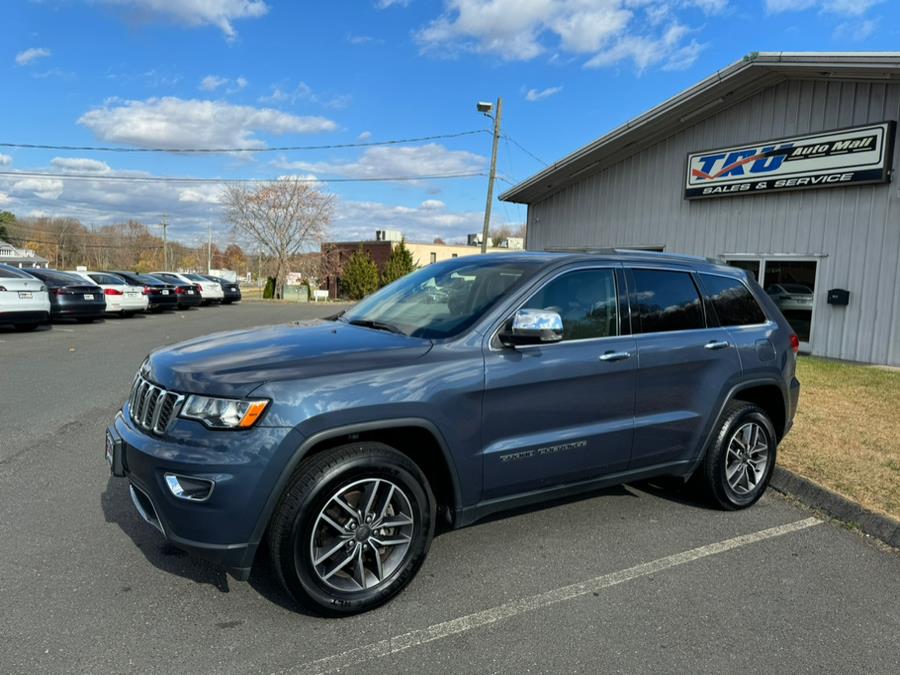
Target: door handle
[716, 344]
[615, 356]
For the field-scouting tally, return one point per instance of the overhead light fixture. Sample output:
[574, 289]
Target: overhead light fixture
[484, 107]
[702, 109]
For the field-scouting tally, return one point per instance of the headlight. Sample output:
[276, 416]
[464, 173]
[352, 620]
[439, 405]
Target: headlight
[223, 413]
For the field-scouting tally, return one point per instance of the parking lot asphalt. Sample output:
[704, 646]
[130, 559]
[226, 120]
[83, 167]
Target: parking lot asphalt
[630, 579]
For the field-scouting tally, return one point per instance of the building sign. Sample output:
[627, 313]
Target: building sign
[829, 159]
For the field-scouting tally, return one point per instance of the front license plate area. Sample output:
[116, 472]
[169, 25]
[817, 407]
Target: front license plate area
[113, 453]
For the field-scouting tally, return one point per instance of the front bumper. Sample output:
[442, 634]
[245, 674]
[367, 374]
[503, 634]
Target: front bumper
[244, 465]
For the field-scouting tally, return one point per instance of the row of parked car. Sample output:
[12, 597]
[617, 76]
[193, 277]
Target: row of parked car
[29, 298]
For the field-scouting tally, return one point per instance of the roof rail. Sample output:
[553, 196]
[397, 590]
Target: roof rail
[663, 254]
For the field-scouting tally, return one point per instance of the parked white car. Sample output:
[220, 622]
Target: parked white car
[24, 301]
[121, 297]
[210, 290]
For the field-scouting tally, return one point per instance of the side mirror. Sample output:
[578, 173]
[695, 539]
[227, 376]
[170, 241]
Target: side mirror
[532, 327]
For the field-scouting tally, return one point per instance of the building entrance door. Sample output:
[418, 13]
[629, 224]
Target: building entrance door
[791, 283]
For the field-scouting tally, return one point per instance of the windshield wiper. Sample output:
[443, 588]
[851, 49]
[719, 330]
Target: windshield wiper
[377, 325]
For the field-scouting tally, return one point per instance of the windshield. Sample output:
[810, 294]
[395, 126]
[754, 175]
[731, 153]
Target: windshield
[442, 299]
[195, 277]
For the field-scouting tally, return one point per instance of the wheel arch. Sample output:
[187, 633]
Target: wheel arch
[433, 458]
[759, 392]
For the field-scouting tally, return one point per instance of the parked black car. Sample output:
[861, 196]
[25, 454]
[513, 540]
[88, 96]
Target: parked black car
[71, 297]
[186, 295]
[161, 295]
[230, 288]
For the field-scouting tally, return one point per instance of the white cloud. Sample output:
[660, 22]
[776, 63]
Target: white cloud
[646, 51]
[282, 93]
[537, 95]
[5, 199]
[241, 82]
[79, 165]
[684, 57]
[5, 160]
[30, 55]
[609, 31]
[856, 30]
[842, 7]
[44, 188]
[432, 204]
[384, 4]
[218, 13]
[396, 161]
[364, 136]
[212, 82]
[178, 123]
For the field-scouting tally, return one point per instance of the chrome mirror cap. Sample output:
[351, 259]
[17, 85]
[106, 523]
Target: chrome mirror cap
[534, 326]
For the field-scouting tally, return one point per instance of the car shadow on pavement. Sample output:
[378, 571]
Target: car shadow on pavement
[8, 328]
[117, 508]
[674, 489]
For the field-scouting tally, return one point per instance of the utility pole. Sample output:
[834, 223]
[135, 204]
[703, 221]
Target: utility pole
[485, 233]
[165, 225]
[209, 248]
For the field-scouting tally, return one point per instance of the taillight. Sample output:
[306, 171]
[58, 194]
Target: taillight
[112, 291]
[147, 290]
[795, 343]
[57, 291]
[179, 290]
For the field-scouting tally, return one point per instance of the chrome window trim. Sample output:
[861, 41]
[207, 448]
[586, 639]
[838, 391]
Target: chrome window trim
[613, 266]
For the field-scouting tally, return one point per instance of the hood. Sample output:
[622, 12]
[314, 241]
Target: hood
[234, 363]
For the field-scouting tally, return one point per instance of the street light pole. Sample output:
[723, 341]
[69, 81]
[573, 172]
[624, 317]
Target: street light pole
[165, 225]
[485, 233]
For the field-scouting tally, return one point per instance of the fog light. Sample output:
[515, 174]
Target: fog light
[190, 489]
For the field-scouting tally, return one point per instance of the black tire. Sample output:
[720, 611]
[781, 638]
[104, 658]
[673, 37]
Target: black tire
[25, 327]
[711, 474]
[311, 488]
[85, 319]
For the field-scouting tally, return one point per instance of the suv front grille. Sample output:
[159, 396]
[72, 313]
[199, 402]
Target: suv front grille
[151, 407]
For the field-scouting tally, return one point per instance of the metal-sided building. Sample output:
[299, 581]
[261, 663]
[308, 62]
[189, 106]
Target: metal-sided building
[780, 164]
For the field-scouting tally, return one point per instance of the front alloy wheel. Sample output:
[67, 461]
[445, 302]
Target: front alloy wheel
[362, 535]
[352, 528]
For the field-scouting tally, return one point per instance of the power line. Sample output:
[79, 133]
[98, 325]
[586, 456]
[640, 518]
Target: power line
[29, 240]
[221, 181]
[283, 148]
[524, 149]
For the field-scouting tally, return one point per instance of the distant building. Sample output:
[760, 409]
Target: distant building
[380, 249]
[22, 258]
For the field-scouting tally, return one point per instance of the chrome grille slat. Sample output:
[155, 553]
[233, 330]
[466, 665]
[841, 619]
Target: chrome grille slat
[151, 407]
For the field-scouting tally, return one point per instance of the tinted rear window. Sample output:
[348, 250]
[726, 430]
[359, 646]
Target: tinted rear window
[665, 301]
[12, 274]
[733, 302]
[61, 278]
[107, 279]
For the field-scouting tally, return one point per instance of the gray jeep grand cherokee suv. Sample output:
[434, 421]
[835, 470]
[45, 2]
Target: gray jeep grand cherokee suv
[467, 387]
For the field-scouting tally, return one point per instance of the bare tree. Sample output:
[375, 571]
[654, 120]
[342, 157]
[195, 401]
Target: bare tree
[285, 217]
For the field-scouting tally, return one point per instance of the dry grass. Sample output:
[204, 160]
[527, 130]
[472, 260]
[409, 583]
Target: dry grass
[847, 432]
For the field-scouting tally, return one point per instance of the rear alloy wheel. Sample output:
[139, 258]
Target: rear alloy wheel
[352, 528]
[741, 457]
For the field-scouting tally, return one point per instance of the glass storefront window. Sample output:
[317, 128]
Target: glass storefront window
[790, 283]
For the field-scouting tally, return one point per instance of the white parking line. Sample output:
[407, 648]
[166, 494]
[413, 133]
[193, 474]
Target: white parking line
[486, 617]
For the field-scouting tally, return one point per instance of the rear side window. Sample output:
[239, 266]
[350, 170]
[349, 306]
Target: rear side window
[665, 300]
[586, 301]
[733, 302]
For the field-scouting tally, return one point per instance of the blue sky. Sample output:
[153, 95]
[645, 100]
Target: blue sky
[266, 73]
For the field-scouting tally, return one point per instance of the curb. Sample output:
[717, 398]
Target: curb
[874, 524]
